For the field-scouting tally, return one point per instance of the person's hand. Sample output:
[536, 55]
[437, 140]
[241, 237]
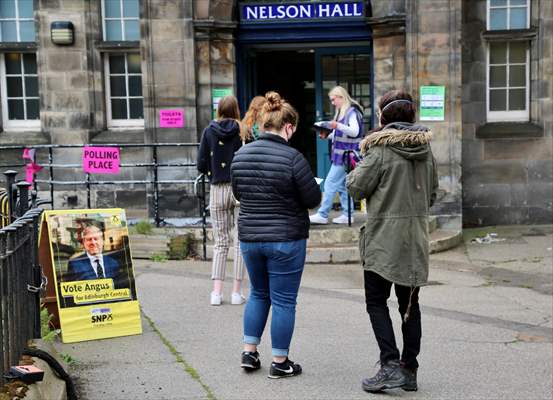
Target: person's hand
[323, 135]
[333, 124]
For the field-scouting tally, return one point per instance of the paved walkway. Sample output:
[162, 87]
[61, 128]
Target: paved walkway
[487, 333]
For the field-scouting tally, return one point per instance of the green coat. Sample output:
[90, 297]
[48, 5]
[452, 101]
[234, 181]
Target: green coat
[398, 177]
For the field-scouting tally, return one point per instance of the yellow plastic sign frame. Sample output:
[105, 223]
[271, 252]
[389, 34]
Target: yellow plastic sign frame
[91, 309]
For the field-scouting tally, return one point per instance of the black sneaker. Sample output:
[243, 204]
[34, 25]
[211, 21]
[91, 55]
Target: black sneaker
[250, 361]
[284, 369]
[390, 376]
[411, 380]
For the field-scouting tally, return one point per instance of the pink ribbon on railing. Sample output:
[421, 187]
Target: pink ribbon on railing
[31, 168]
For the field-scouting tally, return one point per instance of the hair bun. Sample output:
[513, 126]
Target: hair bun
[274, 101]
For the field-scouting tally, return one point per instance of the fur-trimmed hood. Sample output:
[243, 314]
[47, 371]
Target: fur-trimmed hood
[408, 140]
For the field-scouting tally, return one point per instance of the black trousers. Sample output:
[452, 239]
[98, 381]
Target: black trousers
[377, 291]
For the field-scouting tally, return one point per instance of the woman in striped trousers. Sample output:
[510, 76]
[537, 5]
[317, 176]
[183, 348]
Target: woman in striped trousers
[220, 140]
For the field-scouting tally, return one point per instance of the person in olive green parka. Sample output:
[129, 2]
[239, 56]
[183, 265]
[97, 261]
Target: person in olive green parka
[398, 179]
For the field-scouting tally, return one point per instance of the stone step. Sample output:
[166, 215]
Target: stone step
[145, 246]
[348, 252]
[326, 244]
[318, 234]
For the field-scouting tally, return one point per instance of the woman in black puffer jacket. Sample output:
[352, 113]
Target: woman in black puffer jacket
[275, 187]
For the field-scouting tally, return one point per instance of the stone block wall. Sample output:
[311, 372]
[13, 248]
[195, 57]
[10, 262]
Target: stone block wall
[507, 168]
[73, 110]
[418, 44]
[433, 57]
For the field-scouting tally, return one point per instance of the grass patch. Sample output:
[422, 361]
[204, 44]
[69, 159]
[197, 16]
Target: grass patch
[143, 227]
[182, 247]
[47, 332]
[178, 357]
[159, 257]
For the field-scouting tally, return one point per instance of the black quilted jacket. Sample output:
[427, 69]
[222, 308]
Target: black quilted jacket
[275, 187]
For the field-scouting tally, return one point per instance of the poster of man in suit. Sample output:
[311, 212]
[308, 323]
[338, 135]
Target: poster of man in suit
[93, 272]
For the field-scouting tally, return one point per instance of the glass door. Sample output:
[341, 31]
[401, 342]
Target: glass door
[351, 69]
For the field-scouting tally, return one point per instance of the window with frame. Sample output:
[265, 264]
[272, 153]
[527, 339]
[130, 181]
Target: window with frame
[508, 14]
[124, 100]
[20, 99]
[121, 20]
[507, 70]
[508, 81]
[17, 23]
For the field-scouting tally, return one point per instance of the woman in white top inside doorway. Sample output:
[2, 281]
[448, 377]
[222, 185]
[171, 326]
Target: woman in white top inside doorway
[347, 131]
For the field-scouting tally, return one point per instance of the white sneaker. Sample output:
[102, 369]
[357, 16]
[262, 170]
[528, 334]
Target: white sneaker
[216, 298]
[318, 219]
[237, 298]
[342, 219]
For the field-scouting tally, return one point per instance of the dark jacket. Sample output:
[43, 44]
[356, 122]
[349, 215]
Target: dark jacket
[275, 187]
[220, 140]
[398, 177]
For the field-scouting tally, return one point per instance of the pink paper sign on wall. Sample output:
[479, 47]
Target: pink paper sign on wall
[171, 118]
[101, 160]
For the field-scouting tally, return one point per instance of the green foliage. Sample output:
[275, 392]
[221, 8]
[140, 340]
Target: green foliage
[143, 227]
[158, 257]
[48, 334]
[68, 359]
[182, 247]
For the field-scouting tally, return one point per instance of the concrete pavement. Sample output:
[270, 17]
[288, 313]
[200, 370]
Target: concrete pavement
[487, 333]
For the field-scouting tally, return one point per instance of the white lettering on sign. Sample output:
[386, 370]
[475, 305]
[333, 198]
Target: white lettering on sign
[315, 10]
[337, 12]
[263, 12]
[292, 12]
[324, 10]
[305, 11]
[251, 12]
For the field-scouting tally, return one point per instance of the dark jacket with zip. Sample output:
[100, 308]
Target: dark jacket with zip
[220, 140]
[398, 177]
[275, 187]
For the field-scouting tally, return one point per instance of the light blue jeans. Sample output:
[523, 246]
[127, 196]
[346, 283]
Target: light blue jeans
[335, 182]
[275, 270]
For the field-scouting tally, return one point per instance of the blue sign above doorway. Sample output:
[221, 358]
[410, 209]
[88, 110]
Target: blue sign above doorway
[286, 12]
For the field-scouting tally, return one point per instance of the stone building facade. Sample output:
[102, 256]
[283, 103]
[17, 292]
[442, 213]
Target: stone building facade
[132, 58]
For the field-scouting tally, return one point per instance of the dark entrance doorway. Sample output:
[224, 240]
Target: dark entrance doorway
[292, 75]
[304, 76]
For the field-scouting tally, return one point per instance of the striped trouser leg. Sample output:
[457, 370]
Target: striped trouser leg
[238, 259]
[220, 206]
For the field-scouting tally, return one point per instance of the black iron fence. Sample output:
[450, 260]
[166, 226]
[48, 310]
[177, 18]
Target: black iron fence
[49, 179]
[54, 166]
[21, 278]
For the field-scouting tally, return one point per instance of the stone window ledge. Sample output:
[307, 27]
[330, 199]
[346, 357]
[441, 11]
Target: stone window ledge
[115, 46]
[17, 46]
[506, 130]
[511, 35]
[118, 135]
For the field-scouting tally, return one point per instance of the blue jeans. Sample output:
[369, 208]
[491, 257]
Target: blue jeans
[335, 182]
[275, 270]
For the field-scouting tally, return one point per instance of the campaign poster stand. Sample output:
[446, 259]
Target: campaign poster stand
[87, 259]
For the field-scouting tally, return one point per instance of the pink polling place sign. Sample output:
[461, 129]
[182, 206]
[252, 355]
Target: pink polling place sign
[171, 118]
[101, 160]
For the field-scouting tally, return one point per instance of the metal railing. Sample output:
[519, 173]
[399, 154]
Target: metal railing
[21, 278]
[52, 168]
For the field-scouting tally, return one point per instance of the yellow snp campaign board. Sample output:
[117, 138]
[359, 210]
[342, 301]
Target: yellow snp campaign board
[93, 273]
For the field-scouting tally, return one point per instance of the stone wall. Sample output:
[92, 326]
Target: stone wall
[73, 111]
[214, 22]
[507, 168]
[418, 45]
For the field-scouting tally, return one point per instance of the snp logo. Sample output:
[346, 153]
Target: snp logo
[101, 315]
